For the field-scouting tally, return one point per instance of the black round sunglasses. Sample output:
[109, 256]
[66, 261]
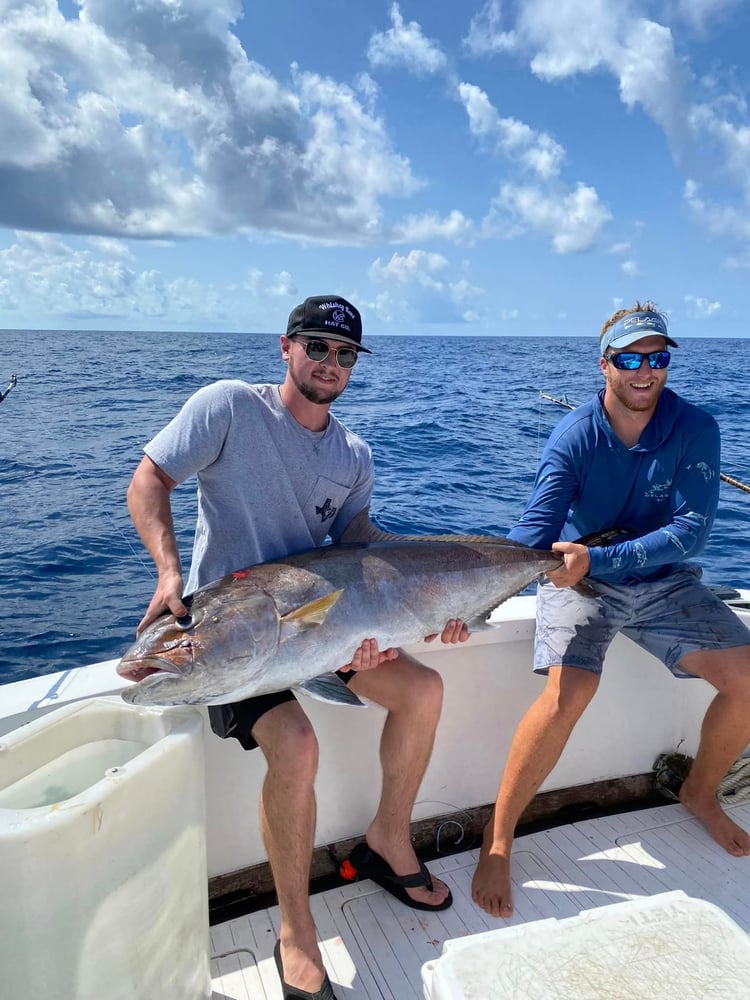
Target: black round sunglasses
[318, 350]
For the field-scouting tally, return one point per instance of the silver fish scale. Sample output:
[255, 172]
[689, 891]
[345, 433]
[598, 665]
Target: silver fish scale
[393, 591]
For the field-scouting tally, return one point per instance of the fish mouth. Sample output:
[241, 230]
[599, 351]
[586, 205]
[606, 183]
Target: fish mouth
[138, 668]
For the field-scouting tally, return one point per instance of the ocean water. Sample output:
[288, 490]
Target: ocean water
[457, 425]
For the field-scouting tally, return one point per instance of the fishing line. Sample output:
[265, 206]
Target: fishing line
[447, 822]
[538, 432]
[136, 552]
[563, 402]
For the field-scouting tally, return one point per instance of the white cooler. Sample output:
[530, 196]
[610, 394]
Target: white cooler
[666, 947]
[103, 856]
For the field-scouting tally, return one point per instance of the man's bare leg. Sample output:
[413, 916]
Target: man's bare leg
[413, 696]
[287, 815]
[539, 740]
[724, 735]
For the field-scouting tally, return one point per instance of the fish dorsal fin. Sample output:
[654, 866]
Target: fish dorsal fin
[465, 539]
[314, 612]
[361, 530]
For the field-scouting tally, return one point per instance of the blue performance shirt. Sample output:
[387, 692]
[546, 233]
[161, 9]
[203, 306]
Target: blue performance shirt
[664, 490]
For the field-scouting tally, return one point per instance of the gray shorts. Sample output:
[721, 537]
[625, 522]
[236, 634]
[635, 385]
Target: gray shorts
[669, 618]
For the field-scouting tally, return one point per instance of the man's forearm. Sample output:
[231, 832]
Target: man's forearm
[151, 513]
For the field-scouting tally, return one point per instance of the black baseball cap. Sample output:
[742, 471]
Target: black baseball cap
[330, 316]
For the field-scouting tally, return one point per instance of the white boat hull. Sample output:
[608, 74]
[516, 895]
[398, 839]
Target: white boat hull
[639, 712]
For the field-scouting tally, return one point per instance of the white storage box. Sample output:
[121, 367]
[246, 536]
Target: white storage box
[103, 856]
[666, 947]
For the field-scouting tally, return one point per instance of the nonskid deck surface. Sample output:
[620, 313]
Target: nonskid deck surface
[374, 947]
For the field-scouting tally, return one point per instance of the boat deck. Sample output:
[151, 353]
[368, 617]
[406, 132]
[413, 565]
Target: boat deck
[374, 947]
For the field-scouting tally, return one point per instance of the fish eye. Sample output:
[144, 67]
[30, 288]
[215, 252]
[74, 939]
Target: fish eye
[190, 620]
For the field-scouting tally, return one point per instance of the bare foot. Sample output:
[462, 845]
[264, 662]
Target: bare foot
[490, 887]
[403, 860]
[724, 830]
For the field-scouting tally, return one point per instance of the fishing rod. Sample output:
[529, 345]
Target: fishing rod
[9, 386]
[563, 401]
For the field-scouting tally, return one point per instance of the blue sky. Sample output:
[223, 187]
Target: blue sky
[480, 167]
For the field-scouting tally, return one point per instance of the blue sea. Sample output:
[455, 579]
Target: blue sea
[457, 425]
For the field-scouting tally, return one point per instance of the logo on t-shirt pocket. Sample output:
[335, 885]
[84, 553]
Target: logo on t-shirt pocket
[325, 501]
[326, 511]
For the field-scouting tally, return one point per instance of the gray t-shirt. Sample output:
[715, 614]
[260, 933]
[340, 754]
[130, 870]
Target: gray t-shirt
[267, 487]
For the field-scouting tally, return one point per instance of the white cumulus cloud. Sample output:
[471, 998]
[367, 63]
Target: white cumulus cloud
[537, 151]
[700, 13]
[148, 119]
[703, 119]
[404, 45]
[572, 219]
[416, 267]
[44, 275]
[700, 308]
[486, 32]
[420, 276]
[572, 37]
[257, 283]
[453, 227]
[720, 219]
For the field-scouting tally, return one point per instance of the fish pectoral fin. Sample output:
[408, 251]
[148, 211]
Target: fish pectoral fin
[312, 613]
[330, 688]
[480, 622]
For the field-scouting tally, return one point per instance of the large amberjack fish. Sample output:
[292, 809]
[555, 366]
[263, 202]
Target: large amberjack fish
[292, 622]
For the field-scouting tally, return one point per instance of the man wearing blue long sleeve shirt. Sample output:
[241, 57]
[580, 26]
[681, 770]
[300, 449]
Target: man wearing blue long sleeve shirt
[636, 456]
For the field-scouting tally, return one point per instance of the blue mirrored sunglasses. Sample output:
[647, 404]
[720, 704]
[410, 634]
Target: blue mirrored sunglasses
[630, 360]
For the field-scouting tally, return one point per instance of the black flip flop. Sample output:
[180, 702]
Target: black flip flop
[370, 865]
[292, 992]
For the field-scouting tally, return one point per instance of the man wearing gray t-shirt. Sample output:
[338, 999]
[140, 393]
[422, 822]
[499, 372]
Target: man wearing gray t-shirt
[278, 474]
